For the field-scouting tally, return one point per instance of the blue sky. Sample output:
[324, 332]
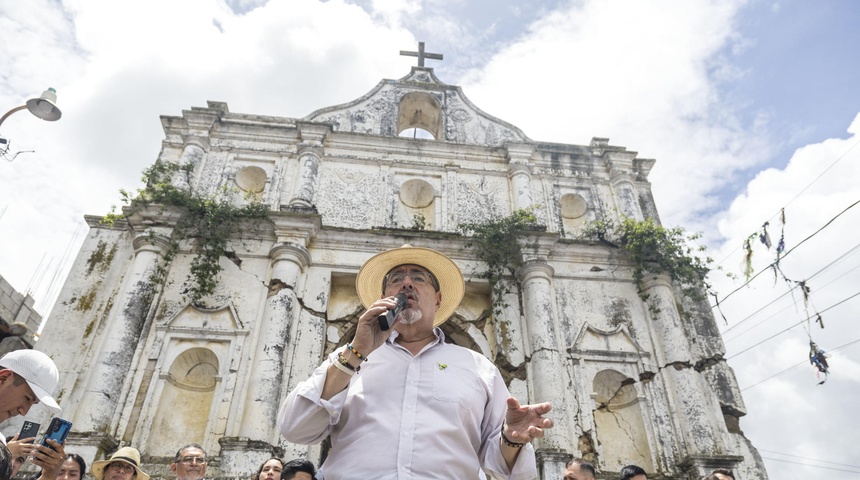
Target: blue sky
[745, 104]
[799, 69]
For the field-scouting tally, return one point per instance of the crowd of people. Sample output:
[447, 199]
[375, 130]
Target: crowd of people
[579, 469]
[420, 408]
[189, 464]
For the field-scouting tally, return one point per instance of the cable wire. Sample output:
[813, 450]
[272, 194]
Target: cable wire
[788, 252]
[799, 194]
[808, 458]
[792, 326]
[739, 334]
[813, 466]
[795, 366]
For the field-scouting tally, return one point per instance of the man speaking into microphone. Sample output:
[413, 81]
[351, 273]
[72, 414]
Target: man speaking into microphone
[401, 403]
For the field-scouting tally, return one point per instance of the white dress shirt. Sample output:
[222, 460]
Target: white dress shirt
[437, 415]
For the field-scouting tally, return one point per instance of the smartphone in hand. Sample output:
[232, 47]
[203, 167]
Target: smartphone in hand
[58, 430]
[29, 430]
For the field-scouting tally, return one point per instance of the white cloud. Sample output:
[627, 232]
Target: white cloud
[790, 413]
[646, 74]
[638, 73]
[118, 66]
[393, 11]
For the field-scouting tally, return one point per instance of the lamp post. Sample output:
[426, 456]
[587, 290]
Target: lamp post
[44, 107]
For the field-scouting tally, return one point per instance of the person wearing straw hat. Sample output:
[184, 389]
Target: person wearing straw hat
[403, 402]
[124, 464]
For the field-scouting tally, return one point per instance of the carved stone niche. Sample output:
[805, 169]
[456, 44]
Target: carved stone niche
[417, 198]
[619, 422]
[573, 208]
[252, 181]
[622, 433]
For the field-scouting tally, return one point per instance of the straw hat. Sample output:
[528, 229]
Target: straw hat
[127, 455]
[369, 280]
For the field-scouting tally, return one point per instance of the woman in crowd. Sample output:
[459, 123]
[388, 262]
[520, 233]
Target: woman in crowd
[270, 469]
[72, 468]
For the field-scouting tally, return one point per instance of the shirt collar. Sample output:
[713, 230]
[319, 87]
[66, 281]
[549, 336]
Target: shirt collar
[440, 336]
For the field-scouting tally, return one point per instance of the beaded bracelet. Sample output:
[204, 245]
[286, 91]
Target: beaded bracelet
[353, 350]
[508, 442]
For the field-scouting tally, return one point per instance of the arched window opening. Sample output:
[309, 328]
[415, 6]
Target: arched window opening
[416, 133]
[419, 116]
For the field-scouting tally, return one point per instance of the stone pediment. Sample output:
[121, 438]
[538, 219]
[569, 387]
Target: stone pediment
[222, 318]
[611, 342]
[419, 100]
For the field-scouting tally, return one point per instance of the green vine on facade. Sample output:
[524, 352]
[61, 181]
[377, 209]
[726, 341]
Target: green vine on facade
[210, 220]
[496, 243]
[419, 222]
[652, 248]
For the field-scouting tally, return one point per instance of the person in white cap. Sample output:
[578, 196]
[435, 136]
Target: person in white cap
[27, 377]
[404, 403]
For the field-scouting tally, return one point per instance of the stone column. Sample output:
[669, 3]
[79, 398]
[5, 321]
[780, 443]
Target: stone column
[623, 168]
[691, 401]
[626, 198]
[122, 331]
[192, 157]
[258, 436]
[519, 156]
[309, 160]
[288, 261]
[546, 379]
[310, 155]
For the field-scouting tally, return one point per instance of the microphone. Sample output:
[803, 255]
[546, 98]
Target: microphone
[386, 320]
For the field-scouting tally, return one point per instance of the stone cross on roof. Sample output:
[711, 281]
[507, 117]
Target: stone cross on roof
[421, 55]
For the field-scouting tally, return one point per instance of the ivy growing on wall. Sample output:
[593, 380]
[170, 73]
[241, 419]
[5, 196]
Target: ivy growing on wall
[496, 243]
[652, 248]
[209, 220]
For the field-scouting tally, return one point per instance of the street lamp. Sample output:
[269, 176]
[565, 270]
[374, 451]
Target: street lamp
[44, 107]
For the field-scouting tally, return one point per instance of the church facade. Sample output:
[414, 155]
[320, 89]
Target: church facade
[143, 365]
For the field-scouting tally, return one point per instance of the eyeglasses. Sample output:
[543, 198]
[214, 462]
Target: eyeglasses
[418, 277]
[122, 467]
[193, 460]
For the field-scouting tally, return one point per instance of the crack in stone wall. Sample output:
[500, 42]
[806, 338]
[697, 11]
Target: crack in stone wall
[627, 430]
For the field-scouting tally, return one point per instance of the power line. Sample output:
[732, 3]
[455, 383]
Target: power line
[792, 326]
[772, 265]
[795, 366]
[735, 337]
[813, 466]
[808, 458]
[799, 194]
[819, 176]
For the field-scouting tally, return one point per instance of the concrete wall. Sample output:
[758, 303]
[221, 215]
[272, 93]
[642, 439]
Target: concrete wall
[16, 307]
